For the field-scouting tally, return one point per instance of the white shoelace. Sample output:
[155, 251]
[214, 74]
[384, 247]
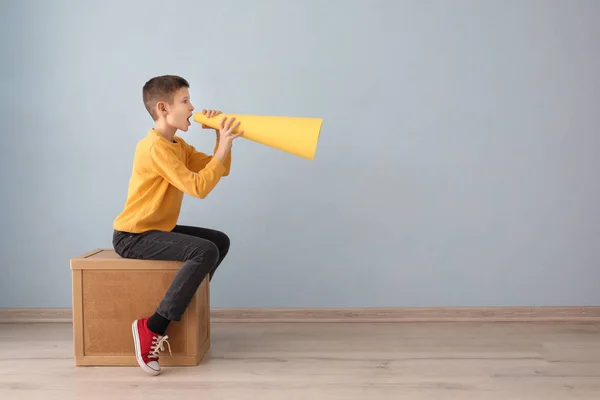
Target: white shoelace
[158, 345]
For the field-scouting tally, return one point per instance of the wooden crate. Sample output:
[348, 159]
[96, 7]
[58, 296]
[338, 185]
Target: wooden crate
[110, 292]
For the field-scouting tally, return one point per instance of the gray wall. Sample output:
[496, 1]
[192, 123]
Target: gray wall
[458, 163]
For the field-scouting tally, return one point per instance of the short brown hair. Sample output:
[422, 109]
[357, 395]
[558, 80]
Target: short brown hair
[161, 88]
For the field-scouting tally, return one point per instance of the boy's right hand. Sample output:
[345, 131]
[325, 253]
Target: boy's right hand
[226, 130]
[226, 137]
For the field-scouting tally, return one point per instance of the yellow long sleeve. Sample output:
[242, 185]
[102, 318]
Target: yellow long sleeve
[198, 160]
[169, 166]
[159, 179]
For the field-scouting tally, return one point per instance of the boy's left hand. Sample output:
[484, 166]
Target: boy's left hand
[210, 114]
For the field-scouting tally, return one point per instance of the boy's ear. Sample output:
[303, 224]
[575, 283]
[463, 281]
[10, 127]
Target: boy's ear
[161, 108]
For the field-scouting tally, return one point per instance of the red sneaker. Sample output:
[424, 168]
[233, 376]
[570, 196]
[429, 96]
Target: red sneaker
[147, 346]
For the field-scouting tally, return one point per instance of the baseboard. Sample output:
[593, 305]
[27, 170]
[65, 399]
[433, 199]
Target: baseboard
[35, 315]
[413, 314]
[371, 315]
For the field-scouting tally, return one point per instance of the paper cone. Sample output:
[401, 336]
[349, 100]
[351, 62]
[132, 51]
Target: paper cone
[295, 135]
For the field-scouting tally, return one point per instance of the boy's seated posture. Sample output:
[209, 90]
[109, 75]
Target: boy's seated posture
[164, 168]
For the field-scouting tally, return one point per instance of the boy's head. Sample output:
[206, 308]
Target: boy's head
[167, 99]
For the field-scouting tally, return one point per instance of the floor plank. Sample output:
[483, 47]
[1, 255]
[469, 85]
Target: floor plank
[325, 361]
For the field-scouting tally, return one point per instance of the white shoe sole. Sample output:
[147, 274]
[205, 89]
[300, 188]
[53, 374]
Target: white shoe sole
[138, 351]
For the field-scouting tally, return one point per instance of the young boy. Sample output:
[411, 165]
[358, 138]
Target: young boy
[164, 168]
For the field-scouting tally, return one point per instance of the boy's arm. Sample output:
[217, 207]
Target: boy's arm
[198, 160]
[169, 166]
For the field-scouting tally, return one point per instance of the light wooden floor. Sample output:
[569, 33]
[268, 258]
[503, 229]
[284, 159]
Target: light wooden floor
[444, 361]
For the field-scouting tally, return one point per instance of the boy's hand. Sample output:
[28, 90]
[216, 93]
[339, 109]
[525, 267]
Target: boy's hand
[226, 137]
[210, 114]
[226, 132]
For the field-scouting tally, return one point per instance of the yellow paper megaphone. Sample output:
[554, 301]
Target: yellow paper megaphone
[295, 135]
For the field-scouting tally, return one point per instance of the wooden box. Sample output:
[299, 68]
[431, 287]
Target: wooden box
[110, 292]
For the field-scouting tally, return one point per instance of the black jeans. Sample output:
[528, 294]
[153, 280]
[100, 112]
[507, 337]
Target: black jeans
[201, 249]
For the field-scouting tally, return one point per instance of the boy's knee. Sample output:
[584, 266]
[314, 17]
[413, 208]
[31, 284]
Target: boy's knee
[226, 242]
[207, 253]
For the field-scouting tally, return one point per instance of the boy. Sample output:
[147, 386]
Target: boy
[164, 168]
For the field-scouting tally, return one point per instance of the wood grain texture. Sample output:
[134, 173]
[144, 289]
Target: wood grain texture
[351, 361]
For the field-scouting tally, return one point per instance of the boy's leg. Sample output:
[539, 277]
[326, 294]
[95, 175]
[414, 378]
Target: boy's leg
[217, 237]
[199, 256]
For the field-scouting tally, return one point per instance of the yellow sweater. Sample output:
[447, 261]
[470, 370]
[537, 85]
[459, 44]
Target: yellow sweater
[162, 172]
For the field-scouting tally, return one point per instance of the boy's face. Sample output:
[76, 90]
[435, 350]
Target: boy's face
[180, 111]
